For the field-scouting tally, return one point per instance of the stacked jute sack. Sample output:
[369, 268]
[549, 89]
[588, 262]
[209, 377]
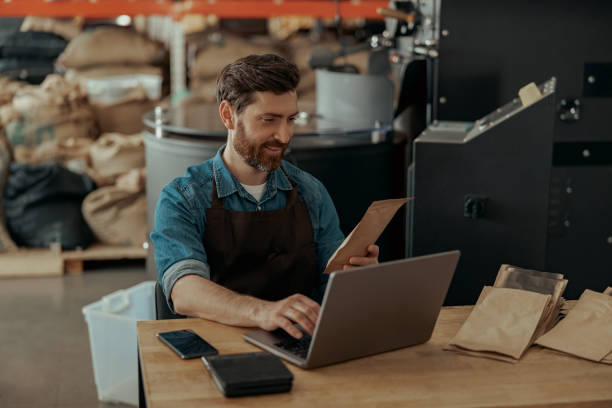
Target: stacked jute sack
[43, 121]
[121, 71]
[53, 162]
[117, 211]
[8, 88]
[221, 50]
[225, 48]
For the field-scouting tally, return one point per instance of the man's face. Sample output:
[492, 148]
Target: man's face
[264, 129]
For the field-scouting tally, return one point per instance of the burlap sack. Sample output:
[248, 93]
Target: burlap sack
[6, 243]
[284, 26]
[64, 152]
[103, 71]
[134, 180]
[114, 154]
[217, 55]
[205, 89]
[110, 45]
[8, 89]
[54, 98]
[125, 115]
[7, 115]
[117, 216]
[78, 123]
[66, 28]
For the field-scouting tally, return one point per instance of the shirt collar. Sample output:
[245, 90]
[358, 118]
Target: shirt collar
[228, 184]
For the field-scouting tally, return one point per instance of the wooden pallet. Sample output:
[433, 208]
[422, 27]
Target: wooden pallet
[55, 262]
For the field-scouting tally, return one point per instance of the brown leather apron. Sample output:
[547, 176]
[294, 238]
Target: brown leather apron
[266, 254]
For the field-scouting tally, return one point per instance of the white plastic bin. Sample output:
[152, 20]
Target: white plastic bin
[113, 339]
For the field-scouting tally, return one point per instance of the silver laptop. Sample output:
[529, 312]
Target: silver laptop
[369, 310]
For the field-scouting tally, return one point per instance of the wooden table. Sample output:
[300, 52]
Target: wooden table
[418, 376]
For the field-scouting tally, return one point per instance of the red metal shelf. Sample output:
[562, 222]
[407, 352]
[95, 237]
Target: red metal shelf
[219, 8]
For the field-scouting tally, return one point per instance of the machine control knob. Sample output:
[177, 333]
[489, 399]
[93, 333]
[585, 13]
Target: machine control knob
[474, 206]
[569, 110]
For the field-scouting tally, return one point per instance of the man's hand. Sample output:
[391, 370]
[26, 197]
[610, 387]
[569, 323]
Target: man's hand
[284, 313]
[371, 259]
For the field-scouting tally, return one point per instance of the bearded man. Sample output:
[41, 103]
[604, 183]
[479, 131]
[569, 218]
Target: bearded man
[243, 238]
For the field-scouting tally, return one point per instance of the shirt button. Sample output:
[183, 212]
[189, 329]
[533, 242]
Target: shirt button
[259, 208]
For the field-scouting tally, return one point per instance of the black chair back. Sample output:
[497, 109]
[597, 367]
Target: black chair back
[162, 310]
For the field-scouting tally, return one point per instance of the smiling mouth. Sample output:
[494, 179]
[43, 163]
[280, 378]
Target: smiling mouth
[275, 149]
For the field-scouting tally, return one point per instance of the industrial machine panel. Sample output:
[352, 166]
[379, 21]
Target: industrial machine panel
[488, 50]
[482, 188]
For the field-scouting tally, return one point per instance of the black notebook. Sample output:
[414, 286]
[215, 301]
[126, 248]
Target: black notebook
[249, 373]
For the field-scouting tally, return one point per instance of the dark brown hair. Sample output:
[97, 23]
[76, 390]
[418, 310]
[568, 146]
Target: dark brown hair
[255, 73]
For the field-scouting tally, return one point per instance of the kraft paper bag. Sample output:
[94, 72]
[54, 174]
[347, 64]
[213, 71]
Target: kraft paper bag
[504, 322]
[366, 232]
[586, 331]
[608, 291]
[546, 283]
[518, 278]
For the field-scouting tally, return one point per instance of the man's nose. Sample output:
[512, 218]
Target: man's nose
[284, 132]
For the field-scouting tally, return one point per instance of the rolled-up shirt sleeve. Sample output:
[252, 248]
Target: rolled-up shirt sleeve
[177, 237]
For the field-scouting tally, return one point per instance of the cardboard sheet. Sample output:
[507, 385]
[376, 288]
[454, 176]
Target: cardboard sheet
[365, 233]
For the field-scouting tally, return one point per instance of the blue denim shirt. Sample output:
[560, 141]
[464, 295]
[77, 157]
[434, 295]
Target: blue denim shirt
[180, 216]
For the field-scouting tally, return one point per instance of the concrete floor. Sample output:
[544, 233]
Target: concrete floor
[45, 358]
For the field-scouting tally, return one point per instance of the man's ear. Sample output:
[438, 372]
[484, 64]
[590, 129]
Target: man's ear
[226, 111]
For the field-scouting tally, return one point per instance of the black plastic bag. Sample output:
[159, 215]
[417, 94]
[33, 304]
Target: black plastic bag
[32, 45]
[33, 71]
[42, 205]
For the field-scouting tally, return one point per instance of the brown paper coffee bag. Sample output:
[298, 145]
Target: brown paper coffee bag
[586, 331]
[503, 322]
[366, 232]
[536, 281]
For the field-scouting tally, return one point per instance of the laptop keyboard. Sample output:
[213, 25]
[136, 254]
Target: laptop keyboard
[299, 347]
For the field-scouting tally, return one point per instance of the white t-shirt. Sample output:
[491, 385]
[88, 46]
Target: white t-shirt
[256, 191]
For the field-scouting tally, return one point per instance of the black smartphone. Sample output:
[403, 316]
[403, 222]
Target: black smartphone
[187, 344]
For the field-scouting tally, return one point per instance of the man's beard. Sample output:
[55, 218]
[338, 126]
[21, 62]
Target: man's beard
[255, 155]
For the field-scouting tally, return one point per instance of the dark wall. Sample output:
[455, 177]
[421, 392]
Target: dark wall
[491, 50]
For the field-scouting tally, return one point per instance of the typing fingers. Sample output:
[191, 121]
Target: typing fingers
[309, 303]
[308, 311]
[288, 326]
[300, 318]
